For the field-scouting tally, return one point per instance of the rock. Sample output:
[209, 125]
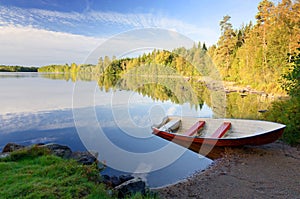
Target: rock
[223, 173]
[58, 150]
[131, 187]
[85, 157]
[94, 153]
[4, 155]
[244, 90]
[262, 111]
[106, 180]
[101, 165]
[124, 178]
[10, 147]
[115, 181]
[243, 95]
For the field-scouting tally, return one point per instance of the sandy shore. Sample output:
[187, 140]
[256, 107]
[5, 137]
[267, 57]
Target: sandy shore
[269, 171]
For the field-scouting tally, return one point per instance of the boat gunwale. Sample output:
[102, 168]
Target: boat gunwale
[246, 136]
[223, 138]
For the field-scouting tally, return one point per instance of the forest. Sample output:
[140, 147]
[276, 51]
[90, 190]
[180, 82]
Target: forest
[259, 54]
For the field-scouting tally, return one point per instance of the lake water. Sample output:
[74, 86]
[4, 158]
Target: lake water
[114, 117]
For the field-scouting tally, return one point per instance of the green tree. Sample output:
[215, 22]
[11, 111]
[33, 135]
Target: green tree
[225, 51]
[292, 83]
[287, 111]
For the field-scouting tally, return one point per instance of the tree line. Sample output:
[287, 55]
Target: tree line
[181, 60]
[4, 68]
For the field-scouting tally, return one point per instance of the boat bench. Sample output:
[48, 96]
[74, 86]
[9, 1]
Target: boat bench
[172, 125]
[221, 130]
[195, 128]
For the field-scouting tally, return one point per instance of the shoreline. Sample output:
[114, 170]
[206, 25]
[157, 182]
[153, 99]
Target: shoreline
[267, 171]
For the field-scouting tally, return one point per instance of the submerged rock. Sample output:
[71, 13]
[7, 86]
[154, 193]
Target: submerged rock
[113, 181]
[131, 187]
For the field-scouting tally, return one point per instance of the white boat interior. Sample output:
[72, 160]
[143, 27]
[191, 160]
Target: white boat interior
[238, 127]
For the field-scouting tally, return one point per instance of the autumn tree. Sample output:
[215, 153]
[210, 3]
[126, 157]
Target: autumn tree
[226, 46]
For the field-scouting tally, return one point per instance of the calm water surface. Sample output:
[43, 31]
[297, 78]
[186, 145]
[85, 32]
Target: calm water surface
[38, 108]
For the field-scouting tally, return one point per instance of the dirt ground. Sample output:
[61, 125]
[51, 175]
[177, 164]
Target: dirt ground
[269, 171]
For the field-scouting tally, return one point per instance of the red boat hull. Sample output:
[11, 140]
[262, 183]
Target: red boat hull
[211, 146]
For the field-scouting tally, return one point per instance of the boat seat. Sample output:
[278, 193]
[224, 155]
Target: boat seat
[221, 130]
[164, 120]
[171, 125]
[195, 128]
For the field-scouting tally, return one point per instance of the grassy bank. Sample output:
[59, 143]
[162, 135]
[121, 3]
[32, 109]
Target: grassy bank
[33, 173]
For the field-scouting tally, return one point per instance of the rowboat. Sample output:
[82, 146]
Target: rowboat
[202, 135]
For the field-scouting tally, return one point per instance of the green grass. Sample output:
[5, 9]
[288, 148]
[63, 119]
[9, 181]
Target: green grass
[33, 173]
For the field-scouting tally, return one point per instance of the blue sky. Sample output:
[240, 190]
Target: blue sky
[41, 32]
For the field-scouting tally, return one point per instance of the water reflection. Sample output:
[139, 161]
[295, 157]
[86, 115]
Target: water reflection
[246, 106]
[194, 91]
[18, 75]
[33, 122]
[47, 114]
[176, 89]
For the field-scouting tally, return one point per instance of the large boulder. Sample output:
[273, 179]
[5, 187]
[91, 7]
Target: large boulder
[84, 157]
[110, 181]
[131, 187]
[10, 147]
[58, 150]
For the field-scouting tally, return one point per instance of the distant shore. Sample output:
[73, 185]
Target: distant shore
[4, 68]
[269, 171]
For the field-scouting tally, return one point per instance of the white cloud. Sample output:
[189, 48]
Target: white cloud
[39, 37]
[94, 20]
[31, 46]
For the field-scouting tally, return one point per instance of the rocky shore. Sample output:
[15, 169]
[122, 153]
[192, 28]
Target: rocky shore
[269, 171]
